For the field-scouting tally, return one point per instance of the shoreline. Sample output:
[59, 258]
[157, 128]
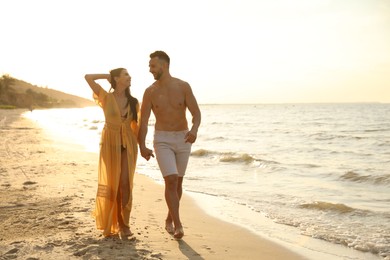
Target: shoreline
[48, 192]
[287, 236]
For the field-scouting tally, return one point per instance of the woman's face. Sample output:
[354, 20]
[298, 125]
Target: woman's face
[123, 80]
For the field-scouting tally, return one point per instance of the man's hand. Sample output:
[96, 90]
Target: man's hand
[190, 137]
[146, 153]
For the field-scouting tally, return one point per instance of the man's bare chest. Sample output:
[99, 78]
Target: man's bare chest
[168, 99]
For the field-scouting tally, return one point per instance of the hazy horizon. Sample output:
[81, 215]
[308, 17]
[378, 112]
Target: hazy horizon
[255, 52]
[264, 103]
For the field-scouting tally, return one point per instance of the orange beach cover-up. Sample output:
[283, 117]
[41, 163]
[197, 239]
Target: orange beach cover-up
[117, 132]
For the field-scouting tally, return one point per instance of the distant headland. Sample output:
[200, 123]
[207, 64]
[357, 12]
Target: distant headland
[15, 93]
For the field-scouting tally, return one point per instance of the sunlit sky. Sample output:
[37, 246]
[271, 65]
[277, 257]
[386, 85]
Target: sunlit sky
[238, 51]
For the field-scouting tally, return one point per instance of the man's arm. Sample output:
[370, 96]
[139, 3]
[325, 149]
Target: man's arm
[91, 80]
[146, 108]
[193, 107]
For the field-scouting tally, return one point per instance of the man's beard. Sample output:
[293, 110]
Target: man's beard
[158, 75]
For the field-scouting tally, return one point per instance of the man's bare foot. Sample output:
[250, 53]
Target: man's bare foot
[169, 227]
[179, 233]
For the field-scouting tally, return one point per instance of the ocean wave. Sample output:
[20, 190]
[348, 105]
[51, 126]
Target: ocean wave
[329, 137]
[225, 156]
[322, 136]
[232, 157]
[218, 138]
[245, 158]
[385, 143]
[321, 205]
[376, 130]
[355, 177]
[222, 123]
[201, 153]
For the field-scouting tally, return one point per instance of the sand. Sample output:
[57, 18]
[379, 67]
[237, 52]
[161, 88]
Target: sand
[47, 193]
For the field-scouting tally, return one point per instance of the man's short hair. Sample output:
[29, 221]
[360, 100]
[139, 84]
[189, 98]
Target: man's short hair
[161, 56]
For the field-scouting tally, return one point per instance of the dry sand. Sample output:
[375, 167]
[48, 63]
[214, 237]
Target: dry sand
[47, 192]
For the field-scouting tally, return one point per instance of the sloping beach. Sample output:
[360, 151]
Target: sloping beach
[47, 192]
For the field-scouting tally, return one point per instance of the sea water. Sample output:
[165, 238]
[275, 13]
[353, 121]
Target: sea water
[296, 173]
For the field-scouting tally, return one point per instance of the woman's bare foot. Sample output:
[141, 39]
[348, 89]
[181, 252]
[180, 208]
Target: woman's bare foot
[125, 232]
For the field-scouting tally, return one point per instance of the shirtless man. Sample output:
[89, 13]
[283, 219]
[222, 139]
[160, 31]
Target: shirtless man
[168, 98]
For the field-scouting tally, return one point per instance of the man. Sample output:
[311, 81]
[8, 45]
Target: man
[168, 98]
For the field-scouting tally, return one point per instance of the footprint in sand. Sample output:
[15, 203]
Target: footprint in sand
[81, 209]
[64, 223]
[12, 251]
[64, 204]
[206, 247]
[46, 247]
[82, 250]
[29, 183]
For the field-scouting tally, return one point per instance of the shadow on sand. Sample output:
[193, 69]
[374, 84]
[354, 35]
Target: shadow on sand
[188, 251]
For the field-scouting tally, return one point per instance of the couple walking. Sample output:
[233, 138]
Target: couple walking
[126, 125]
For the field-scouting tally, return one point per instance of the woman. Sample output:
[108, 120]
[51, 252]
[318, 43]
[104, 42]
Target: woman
[118, 152]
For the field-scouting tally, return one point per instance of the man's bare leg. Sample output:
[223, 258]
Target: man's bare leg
[168, 221]
[172, 199]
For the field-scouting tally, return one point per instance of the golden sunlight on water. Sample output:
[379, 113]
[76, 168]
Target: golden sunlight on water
[71, 126]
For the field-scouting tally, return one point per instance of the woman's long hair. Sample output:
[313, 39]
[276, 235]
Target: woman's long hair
[130, 99]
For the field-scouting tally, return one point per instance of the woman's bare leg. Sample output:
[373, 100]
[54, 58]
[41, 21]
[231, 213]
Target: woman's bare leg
[124, 192]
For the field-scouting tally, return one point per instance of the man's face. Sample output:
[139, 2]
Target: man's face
[156, 68]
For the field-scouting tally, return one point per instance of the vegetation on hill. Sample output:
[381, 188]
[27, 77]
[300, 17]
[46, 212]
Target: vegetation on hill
[16, 93]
